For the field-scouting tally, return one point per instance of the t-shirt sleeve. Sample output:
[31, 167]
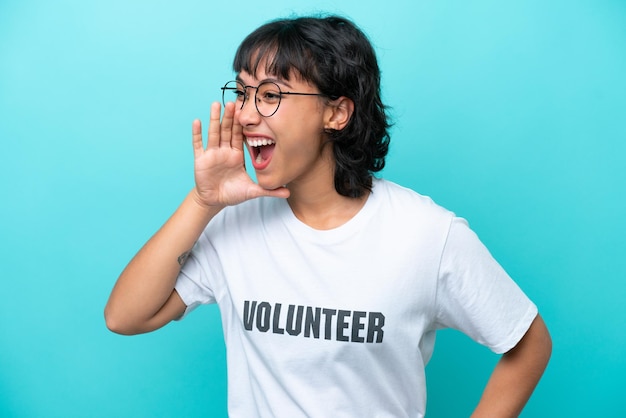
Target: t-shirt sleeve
[194, 280]
[476, 296]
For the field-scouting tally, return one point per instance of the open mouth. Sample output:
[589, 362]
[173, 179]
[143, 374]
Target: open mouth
[261, 150]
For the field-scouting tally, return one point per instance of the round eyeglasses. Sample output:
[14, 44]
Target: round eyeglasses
[266, 98]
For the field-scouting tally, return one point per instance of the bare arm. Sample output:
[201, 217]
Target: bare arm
[144, 299]
[516, 375]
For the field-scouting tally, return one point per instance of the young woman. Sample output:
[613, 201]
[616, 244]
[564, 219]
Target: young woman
[331, 283]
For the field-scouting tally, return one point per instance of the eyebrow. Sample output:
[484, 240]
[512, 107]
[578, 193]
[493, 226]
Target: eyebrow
[273, 80]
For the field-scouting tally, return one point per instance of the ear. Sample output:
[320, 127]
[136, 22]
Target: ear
[338, 114]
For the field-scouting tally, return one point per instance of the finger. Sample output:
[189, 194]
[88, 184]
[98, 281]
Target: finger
[214, 126]
[281, 192]
[196, 138]
[237, 141]
[227, 125]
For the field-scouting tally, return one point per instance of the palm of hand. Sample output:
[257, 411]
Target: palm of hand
[219, 169]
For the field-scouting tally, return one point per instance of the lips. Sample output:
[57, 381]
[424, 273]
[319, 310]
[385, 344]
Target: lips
[261, 150]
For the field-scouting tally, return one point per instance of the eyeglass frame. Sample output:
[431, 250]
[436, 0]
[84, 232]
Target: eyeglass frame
[280, 95]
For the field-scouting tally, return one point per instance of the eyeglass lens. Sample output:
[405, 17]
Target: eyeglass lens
[266, 97]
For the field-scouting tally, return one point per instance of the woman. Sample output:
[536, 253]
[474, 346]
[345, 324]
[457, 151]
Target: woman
[331, 283]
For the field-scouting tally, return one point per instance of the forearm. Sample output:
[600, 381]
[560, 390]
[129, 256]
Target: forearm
[516, 375]
[147, 282]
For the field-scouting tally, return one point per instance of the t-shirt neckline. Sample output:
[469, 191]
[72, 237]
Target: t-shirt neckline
[344, 231]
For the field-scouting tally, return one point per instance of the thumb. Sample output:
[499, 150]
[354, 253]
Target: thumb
[281, 192]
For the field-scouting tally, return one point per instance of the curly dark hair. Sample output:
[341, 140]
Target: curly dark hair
[333, 54]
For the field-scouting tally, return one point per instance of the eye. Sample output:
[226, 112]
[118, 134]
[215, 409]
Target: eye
[239, 93]
[270, 96]
[268, 93]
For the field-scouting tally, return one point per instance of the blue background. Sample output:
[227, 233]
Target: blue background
[512, 114]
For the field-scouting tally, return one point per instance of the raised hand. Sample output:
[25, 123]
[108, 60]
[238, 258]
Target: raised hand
[220, 174]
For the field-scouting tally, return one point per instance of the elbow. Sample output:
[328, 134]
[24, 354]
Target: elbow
[116, 323]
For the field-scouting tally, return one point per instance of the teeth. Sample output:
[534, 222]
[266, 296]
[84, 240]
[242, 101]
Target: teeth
[259, 159]
[259, 142]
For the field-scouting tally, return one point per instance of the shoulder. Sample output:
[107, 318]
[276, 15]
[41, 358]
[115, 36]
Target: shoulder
[412, 218]
[407, 201]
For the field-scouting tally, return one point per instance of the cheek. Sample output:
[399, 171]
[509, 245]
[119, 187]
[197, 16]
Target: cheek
[308, 119]
[299, 126]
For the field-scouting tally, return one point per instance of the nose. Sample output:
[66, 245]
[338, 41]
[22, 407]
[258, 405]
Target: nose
[248, 115]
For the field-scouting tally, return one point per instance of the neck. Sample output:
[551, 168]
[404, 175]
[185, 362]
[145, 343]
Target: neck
[323, 208]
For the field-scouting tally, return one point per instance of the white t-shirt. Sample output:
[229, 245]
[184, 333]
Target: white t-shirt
[342, 322]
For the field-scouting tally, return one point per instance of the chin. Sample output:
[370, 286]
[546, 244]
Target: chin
[268, 184]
